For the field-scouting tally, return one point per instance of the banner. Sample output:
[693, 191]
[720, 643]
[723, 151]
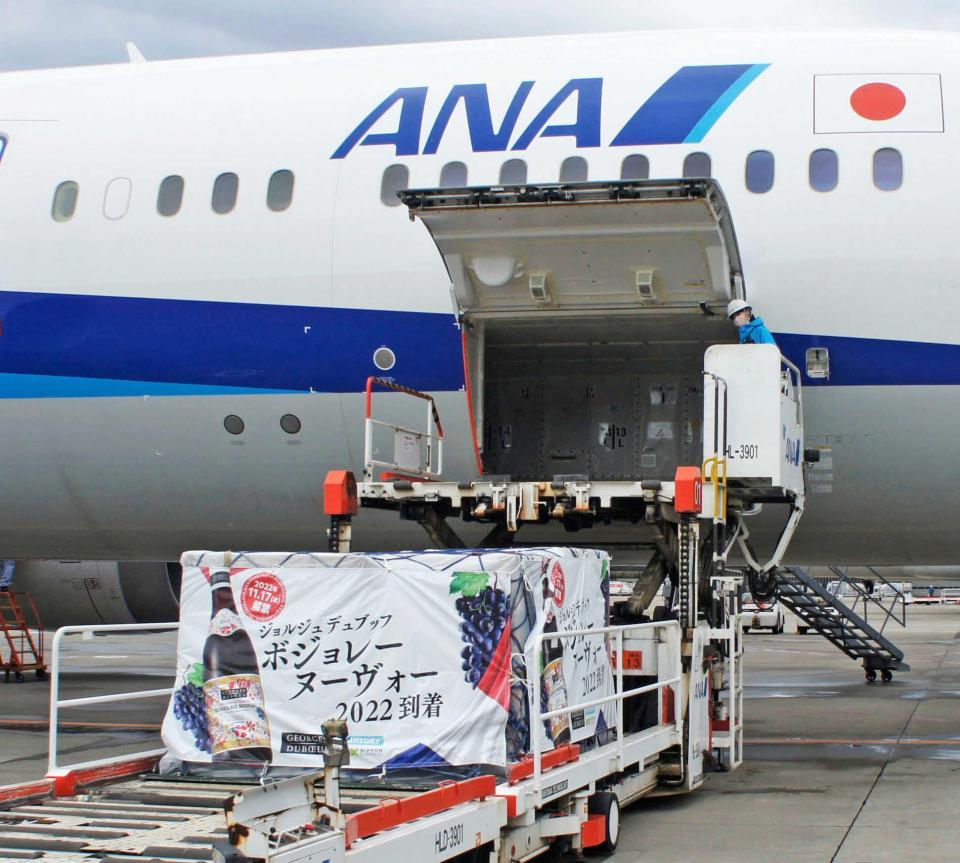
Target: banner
[422, 654]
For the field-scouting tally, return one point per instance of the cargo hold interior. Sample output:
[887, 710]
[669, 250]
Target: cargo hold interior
[587, 309]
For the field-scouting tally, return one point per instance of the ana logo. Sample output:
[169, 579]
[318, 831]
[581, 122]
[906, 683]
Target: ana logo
[791, 449]
[263, 597]
[681, 111]
[559, 584]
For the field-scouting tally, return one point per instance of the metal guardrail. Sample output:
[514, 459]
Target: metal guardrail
[538, 717]
[56, 702]
[408, 444]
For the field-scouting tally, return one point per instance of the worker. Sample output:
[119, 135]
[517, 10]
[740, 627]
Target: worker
[752, 329]
[6, 575]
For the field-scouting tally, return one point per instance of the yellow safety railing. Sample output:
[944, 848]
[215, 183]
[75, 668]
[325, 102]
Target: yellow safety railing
[717, 477]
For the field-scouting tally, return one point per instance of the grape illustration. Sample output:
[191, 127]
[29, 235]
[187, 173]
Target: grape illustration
[484, 613]
[190, 709]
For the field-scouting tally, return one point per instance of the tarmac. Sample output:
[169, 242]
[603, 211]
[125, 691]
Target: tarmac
[834, 769]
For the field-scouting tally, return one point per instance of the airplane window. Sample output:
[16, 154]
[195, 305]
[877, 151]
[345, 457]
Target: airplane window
[887, 169]
[65, 201]
[395, 178]
[696, 165]
[233, 424]
[116, 200]
[635, 167]
[823, 170]
[290, 423]
[513, 172]
[760, 171]
[280, 190]
[453, 174]
[573, 170]
[170, 196]
[225, 193]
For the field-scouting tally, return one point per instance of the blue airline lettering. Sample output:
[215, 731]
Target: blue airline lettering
[406, 139]
[483, 139]
[587, 128]
[681, 111]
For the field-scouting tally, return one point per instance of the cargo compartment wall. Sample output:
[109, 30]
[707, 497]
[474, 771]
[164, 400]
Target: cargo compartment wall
[606, 411]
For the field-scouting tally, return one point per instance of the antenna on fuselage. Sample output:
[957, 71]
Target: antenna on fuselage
[133, 52]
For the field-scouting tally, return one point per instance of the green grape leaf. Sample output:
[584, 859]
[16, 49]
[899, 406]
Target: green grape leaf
[196, 675]
[469, 583]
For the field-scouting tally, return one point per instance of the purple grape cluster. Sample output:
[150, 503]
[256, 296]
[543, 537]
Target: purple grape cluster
[483, 618]
[189, 708]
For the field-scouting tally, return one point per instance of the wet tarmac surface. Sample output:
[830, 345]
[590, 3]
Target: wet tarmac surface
[835, 769]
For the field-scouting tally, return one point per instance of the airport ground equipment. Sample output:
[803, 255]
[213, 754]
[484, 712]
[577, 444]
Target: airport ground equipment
[23, 633]
[597, 360]
[113, 810]
[822, 611]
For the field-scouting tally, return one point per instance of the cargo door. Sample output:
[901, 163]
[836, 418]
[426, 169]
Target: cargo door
[587, 309]
[664, 247]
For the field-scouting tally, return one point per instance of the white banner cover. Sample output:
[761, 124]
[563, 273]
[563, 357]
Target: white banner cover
[414, 650]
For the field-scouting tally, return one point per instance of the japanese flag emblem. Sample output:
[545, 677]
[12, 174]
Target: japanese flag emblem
[844, 104]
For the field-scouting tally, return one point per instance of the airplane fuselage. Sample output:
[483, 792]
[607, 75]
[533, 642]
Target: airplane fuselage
[129, 337]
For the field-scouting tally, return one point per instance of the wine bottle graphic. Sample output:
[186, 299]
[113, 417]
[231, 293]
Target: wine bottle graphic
[232, 690]
[553, 684]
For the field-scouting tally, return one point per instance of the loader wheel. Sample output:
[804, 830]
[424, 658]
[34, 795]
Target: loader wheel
[746, 630]
[606, 803]
[871, 675]
[886, 675]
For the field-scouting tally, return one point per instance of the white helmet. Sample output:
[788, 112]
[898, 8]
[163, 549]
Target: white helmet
[735, 306]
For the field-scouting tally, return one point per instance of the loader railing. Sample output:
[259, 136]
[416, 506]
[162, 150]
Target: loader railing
[416, 453]
[669, 678]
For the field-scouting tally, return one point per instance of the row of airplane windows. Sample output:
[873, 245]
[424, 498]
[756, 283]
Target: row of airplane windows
[758, 175]
[116, 200]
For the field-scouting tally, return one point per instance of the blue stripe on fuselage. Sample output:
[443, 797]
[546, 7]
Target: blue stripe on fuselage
[62, 346]
[876, 362]
[127, 346]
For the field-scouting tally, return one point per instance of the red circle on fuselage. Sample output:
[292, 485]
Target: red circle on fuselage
[878, 101]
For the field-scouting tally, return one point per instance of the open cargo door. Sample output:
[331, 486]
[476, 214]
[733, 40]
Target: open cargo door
[587, 309]
[663, 246]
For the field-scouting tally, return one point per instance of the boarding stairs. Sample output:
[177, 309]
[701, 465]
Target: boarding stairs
[819, 609]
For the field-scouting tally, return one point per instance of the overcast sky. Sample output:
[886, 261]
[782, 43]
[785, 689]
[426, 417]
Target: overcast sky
[44, 33]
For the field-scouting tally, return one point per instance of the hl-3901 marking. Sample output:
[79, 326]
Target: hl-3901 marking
[743, 451]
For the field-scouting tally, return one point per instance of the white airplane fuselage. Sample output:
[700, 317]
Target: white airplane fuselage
[128, 336]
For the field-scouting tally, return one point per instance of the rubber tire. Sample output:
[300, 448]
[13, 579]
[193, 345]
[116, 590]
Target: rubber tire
[778, 630]
[886, 675]
[870, 675]
[41, 674]
[606, 803]
[803, 630]
[746, 629]
[19, 677]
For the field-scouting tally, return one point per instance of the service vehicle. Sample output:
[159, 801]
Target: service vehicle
[761, 614]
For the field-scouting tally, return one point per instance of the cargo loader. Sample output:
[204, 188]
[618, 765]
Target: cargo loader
[604, 395]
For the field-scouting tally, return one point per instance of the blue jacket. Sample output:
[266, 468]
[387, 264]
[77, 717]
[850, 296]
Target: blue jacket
[756, 333]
